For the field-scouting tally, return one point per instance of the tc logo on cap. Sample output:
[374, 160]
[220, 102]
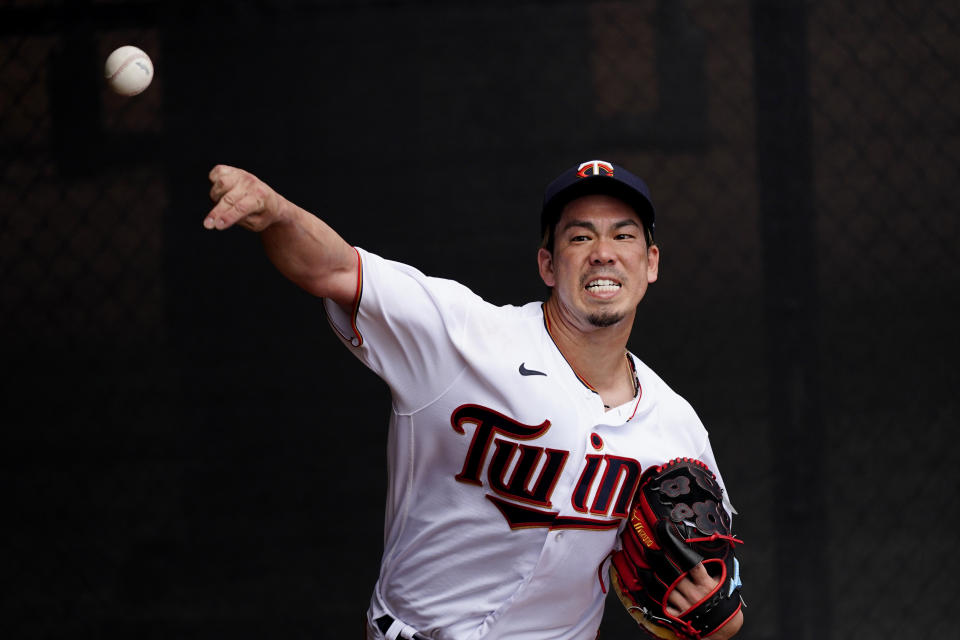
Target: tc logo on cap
[595, 168]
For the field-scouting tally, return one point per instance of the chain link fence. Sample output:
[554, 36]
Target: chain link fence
[178, 424]
[884, 106]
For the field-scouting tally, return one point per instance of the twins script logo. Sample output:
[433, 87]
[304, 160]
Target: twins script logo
[502, 445]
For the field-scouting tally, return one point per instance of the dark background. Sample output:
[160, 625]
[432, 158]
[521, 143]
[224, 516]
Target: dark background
[189, 453]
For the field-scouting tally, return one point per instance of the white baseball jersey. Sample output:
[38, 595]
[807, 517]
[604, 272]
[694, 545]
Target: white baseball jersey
[508, 479]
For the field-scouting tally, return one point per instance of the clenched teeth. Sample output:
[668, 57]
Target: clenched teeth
[603, 285]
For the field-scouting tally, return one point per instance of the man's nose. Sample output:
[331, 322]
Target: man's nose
[602, 252]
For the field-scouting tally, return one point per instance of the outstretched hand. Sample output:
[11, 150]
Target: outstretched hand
[242, 199]
[301, 246]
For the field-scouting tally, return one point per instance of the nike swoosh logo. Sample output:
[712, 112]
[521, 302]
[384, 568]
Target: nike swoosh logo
[529, 372]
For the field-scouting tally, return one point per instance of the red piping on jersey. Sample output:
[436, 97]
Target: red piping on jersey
[633, 368]
[356, 299]
[356, 308]
[603, 587]
[546, 324]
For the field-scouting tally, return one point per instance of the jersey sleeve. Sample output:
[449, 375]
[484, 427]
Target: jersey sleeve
[706, 456]
[406, 327]
[679, 417]
[710, 460]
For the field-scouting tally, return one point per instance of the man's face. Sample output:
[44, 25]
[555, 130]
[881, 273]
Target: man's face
[601, 265]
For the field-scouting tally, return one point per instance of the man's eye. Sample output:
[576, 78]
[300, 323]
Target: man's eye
[625, 236]
[579, 239]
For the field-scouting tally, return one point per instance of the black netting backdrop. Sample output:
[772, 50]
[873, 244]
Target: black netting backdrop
[187, 450]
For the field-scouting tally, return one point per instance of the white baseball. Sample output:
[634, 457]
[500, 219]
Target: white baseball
[128, 70]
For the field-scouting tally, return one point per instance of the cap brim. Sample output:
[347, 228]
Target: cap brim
[591, 185]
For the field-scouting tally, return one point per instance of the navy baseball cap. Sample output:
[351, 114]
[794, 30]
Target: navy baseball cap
[593, 177]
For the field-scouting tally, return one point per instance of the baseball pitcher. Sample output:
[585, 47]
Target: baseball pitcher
[534, 463]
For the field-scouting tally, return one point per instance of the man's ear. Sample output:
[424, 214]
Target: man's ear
[545, 263]
[653, 263]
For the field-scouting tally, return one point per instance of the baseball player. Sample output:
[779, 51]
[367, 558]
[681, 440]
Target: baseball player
[518, 434]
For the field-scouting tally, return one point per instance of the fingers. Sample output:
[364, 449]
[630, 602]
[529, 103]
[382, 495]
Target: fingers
[699, 576]
[695, 585]
[240, 197]
[235, 206]
[223, 179]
